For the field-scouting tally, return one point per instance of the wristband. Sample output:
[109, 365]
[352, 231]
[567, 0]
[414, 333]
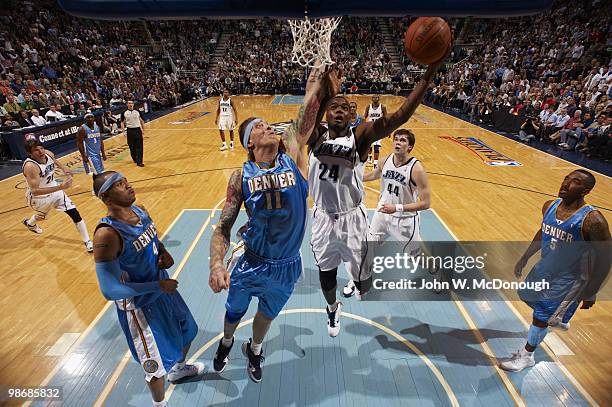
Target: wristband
[399, 208]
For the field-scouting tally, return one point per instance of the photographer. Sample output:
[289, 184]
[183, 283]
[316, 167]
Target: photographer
[529, 129]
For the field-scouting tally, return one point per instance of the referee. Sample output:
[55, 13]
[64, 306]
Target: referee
[135, 125]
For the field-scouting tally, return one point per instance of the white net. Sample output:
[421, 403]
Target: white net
[312, 40]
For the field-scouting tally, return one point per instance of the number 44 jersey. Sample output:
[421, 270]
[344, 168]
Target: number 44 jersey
[276, 203]
[397, 185]
[335, 174]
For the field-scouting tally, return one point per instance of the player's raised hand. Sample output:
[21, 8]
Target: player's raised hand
[334, 79]
[219, 279]
[315, 80]
[168, 286]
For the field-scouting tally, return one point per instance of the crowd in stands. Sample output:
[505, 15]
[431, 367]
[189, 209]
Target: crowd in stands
[57, 66]
[53, 62]
[557, 74]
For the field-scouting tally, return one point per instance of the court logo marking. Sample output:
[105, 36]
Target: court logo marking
[488, 155]
[191, 117]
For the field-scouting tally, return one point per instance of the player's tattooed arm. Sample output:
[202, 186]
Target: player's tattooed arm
[219, 277]
[596, 230]
[323, 84]
[533, 248]
[107, 244]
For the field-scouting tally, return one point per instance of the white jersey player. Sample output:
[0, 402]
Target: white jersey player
[373, 112]
[43, 193]
[404, 192]
[340, 223]
[226, 119]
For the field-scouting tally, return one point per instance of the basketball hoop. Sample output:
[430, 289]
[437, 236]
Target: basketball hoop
[312, 40]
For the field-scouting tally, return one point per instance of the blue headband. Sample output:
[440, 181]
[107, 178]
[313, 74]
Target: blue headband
[110, 181]
[247, 133]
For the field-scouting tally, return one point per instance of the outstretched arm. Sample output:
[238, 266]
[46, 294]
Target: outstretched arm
[370, 132]
[596, 230]
[219, 277]
[322, 85]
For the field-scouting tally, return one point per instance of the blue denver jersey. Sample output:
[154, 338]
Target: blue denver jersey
[92, 140]
[138, 258]
[357, 121]
[276, 203]
[564, 261]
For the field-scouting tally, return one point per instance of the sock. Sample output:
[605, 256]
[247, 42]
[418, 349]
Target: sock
[231, 144]
[178, 365]
[536, 335]
[32, 220]
[333, 307]
[159, 403]
[227, 342]
[256, 348]
[82, 230]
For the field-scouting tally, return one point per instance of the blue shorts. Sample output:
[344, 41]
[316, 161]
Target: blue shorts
[158, 332]
[271, 281]
[546, 311]
[95, 162]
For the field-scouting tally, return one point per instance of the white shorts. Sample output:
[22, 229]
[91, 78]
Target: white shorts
[226, 123]
[406, 230]
[339, 238]
[42, 205]
[377, 143]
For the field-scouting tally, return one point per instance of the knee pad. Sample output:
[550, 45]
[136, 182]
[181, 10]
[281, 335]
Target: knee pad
[74, 215]
[233, 317]
[377, 149]
[328, 279]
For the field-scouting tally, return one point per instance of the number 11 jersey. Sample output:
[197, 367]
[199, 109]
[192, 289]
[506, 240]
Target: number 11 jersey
[276, 201]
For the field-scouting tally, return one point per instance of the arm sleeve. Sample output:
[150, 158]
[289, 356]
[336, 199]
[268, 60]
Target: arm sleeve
[112, 288]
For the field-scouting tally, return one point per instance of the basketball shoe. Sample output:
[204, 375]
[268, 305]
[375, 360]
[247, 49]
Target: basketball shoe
[519, 361]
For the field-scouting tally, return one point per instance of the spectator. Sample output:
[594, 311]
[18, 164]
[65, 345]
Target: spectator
[53, 114]
[24, 120]
[37, 119]
[11, 105]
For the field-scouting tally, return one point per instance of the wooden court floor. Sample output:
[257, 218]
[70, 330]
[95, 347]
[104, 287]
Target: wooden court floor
[48, 281]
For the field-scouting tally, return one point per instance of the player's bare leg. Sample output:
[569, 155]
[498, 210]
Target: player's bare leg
[223, 143]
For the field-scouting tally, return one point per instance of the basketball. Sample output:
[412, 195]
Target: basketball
[427, 40]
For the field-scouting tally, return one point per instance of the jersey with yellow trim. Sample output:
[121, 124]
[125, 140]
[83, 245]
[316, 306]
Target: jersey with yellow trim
[276, 203]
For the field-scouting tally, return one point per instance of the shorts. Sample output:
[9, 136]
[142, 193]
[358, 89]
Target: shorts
[94, 162]
[377, 143]
[158, 332]
[338, 238]
[271, 281]
[547, 311]
[42, 205]
[226, 123]
[406, 230]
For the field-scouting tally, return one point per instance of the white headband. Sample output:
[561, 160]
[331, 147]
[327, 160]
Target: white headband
[247, 133]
